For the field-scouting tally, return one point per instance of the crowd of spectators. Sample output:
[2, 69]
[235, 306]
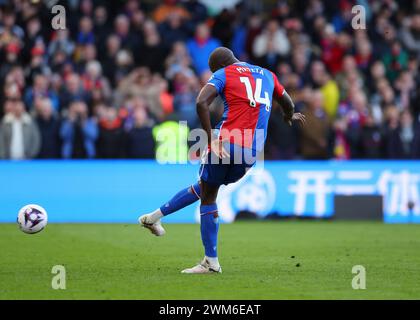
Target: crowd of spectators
[121, 70]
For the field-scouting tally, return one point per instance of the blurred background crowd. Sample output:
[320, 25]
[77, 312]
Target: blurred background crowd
[123, 72]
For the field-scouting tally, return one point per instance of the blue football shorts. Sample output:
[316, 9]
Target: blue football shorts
[216, 171]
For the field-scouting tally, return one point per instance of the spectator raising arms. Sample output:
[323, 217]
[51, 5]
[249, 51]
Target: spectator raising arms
[79, 133]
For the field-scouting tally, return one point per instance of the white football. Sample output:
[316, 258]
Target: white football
[32, 218]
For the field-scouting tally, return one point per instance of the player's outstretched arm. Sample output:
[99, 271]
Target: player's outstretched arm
[204, 100]
[289, 110]
[287, 105]
[206, 96]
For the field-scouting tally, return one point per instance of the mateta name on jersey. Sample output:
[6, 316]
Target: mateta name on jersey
[252, 70]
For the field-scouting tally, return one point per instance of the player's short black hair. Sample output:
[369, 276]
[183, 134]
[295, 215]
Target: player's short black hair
[221, 57]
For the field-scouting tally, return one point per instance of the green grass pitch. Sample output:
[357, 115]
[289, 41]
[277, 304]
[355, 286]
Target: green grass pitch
[259, 260]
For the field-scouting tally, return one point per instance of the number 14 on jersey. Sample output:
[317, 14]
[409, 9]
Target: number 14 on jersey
[256, 97]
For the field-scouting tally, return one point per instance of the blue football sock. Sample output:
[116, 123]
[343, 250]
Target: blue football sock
[182, 199]
[209, 228]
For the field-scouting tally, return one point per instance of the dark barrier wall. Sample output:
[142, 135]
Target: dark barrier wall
[358, 207]
[119, 191]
